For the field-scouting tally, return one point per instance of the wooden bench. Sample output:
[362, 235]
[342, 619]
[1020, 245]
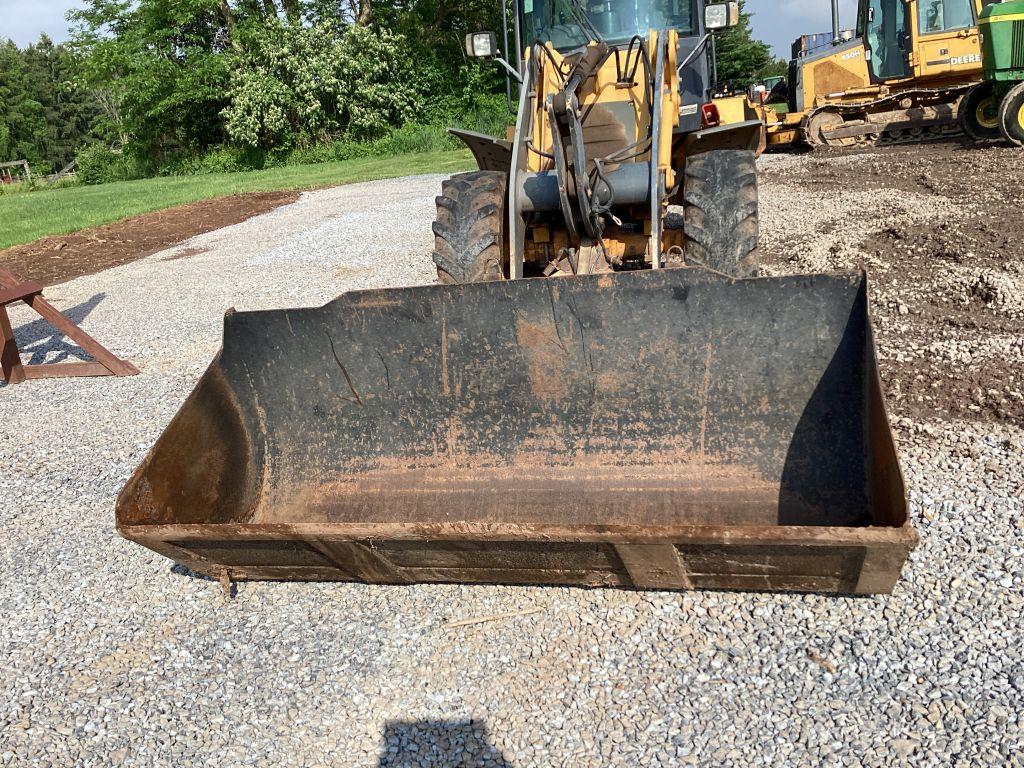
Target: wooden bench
[104, 362]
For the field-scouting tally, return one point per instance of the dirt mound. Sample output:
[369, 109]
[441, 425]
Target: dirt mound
[55, 259]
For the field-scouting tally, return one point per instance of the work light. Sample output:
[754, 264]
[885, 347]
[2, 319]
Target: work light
[481, 45]
[721, 15]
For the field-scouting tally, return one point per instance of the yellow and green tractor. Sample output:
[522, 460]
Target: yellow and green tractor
[995, 108]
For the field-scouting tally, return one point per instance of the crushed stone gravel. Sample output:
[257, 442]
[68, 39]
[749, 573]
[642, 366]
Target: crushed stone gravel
[112, 655]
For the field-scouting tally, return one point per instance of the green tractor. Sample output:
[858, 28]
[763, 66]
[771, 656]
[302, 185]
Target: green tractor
[994, 108]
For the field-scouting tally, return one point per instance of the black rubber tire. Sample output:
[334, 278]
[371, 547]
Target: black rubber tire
[469, 231]
[978, 113]
[1011, 115]
[720, 224]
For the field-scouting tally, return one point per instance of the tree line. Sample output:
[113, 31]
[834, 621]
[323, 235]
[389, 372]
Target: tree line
[165, 79]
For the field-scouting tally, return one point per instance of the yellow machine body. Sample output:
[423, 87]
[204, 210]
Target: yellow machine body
[603, 94]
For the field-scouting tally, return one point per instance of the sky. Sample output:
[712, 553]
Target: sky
[777, 22]
[24, 20]
[780, 22]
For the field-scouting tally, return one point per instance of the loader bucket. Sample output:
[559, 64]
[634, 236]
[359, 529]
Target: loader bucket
[659, 429]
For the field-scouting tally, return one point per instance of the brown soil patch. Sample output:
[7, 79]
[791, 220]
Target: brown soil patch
[947, 295]
[56, 259]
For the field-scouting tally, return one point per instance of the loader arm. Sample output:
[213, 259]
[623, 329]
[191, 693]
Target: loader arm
[592, 157]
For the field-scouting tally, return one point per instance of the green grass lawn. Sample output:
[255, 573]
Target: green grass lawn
[30, 215]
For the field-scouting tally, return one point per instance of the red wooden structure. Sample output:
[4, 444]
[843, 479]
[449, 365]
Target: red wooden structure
[104, 363]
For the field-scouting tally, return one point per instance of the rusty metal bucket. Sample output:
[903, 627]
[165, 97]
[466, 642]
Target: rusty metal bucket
[664, 429]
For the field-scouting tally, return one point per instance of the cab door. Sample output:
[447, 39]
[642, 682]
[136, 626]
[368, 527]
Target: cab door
[947, 38]
[887, 36]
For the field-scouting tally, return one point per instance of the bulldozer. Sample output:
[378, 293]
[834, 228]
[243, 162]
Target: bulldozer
[598, 391]
[901, 77]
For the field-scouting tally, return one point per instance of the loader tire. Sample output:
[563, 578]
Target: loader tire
[469, 231]
[720, 211]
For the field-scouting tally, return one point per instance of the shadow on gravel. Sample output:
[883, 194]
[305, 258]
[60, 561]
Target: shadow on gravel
[438, 743]
[180, 570]
[965, 145]
[40, 343]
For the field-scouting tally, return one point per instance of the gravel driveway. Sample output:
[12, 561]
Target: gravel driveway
[111, 655]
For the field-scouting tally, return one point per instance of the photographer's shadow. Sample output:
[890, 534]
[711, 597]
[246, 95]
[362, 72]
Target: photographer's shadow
[439, 744]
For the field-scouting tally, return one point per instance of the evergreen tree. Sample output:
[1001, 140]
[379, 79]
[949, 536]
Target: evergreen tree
[70, 110]
[22, 118]
[740, 57]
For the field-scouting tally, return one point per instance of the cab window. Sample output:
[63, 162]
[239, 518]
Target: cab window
[943, 15]
[558, 22]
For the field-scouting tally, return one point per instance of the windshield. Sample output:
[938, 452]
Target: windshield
[617, 20]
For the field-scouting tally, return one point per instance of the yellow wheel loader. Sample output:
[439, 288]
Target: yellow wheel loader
[598, 392]
[901, 78]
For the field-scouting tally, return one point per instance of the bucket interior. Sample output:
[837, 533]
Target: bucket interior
[656, 398]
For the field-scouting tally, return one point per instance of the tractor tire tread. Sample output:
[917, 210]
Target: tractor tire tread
[1010, 111]
[967, 112]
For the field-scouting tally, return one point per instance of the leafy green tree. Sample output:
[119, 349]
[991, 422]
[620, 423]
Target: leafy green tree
[284, 84]
[778, 68]
[739, 56]
[377, 78]
[448, 83]
[175, 77]
[162, 65]
[300, 84]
